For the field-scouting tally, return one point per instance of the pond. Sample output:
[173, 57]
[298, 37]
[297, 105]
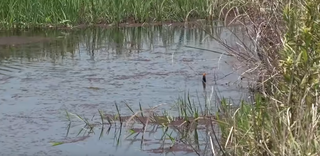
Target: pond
[44, 74]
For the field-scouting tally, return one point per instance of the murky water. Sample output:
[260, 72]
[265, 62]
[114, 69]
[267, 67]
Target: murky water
[44, 73]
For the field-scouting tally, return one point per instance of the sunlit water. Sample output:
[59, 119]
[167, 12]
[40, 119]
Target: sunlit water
[86, 70]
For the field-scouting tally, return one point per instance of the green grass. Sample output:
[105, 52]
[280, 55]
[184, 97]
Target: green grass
[39, 13]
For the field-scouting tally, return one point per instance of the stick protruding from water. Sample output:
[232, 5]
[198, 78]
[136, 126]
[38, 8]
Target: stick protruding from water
[204, 80]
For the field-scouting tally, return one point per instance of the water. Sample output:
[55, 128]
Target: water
[42, 74]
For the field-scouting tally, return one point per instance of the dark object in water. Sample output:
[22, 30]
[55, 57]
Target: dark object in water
[204, 80]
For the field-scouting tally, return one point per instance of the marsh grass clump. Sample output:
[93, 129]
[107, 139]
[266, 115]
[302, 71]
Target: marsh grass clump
[190, 127]
[284, 54]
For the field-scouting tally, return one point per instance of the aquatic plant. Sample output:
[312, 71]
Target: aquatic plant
[184, 129]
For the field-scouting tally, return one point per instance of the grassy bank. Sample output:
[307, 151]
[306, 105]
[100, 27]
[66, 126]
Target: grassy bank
[285, 52]
[37, 13]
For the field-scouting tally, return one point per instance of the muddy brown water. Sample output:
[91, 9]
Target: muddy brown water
[44, 73]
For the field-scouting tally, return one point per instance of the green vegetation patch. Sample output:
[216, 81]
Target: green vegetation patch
[32, 13]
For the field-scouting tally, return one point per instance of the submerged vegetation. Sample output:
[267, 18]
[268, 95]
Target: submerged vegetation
[175, 134]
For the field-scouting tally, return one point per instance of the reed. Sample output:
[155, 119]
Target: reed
[37, 13]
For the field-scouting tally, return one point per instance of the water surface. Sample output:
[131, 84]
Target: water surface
[43, 73]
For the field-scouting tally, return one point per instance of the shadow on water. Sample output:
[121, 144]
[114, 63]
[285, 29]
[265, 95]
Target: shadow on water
[44, 73]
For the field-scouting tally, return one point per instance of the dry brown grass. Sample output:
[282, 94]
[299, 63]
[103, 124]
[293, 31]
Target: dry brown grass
[282, 57]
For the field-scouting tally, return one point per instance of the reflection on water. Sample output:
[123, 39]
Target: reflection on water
[43, 73]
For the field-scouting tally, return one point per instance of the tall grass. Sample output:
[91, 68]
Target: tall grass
[30, 13]
[284, 53]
